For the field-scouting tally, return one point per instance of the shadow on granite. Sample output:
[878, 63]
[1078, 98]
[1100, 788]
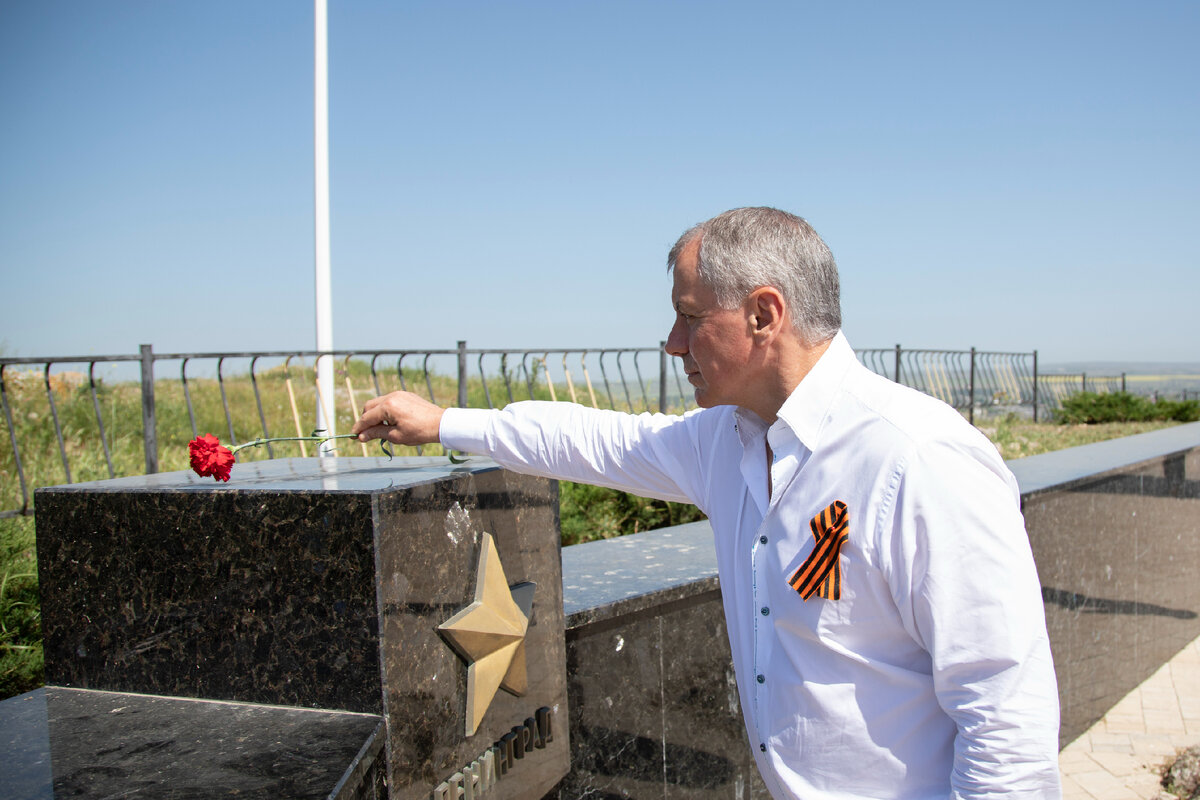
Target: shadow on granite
[1115, 531]
[1098, 605]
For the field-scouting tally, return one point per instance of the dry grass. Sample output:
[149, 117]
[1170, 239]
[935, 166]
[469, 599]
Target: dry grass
[1018, 438]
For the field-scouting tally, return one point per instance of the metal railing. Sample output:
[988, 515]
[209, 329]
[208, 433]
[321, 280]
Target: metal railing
[977, 381]
[281, 392]
[1057, 388]
[284, 393]
[966, 379]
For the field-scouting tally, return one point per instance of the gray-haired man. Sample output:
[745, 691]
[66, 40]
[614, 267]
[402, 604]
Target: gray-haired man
[883, 609]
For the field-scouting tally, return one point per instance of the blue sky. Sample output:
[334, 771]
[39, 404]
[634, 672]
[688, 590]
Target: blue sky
[1006, 176]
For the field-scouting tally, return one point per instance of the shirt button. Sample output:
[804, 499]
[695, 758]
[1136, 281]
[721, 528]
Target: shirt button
[762, 678]
[762, 539]
[762, 747]
[765, 611]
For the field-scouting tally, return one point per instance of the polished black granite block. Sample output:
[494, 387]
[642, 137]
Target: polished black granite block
[309, 582]
[57, 742]
[1060, 469]
[654, 706]
[260, 590]
[1118, 554]
[618, 576]
[427, 561]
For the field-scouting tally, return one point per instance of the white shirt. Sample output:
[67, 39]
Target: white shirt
[931, 675]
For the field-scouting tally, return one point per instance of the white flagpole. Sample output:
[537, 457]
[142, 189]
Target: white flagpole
[326, 410]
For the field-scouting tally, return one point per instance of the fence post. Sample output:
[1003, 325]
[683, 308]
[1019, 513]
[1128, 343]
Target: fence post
[1122, 383]
[662, 377]
[462, 373]
[1083, 380]
[896, 376]
[971, 397]
[149, 424]
[1035, 387]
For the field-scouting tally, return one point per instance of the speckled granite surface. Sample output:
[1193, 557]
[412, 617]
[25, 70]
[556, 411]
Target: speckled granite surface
[617, 576]
[654, 706]
[260, 590]
[1117, 554]
[57, 742]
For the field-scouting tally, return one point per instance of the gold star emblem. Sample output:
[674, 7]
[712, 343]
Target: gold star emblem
[489, 634]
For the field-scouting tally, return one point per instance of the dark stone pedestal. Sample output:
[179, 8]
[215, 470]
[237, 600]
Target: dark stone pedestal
[308, 583]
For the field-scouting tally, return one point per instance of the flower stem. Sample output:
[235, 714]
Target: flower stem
[321, 439]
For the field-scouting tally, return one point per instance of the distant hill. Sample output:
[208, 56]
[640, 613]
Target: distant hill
[1171, 379]
[1190, 369]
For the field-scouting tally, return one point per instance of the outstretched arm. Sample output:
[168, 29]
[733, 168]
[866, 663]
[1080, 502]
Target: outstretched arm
[649, 454]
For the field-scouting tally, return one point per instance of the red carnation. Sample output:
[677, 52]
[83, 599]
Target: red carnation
[209, 457]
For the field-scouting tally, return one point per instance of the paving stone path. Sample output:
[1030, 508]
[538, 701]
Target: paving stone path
[1121, 756]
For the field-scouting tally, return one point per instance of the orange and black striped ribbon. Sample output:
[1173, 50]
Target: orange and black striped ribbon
[820, 574]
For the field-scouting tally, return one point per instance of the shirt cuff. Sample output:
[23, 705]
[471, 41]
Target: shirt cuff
[464, 429]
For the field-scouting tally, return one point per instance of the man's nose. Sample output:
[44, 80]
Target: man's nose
[677, 340]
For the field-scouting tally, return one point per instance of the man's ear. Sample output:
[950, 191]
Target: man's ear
[767, 310]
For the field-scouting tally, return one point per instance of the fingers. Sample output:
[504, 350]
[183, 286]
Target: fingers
[375, 418]
[376, 414]
[400, 418]
[379, 432]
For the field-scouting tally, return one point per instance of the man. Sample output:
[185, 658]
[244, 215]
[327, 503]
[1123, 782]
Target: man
[883, 609]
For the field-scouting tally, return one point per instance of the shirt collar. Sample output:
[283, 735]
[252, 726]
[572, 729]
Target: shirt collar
[807, 406]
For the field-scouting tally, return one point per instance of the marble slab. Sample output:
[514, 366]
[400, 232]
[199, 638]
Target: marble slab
[58, 742]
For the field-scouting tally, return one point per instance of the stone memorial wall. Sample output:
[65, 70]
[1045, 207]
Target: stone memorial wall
[1115, 531]
[654, 706]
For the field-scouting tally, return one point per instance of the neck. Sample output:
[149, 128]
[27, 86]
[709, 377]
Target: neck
[789, 363]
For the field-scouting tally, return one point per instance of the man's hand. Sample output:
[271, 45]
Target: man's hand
[400, 418]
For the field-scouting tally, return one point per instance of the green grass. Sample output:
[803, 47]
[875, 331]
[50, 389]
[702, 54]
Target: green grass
[591, 512]
[1090, 408]
[20, 629]
[586, 512]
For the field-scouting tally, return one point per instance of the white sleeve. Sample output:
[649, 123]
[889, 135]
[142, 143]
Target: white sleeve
[653, 455]
[964, 580]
